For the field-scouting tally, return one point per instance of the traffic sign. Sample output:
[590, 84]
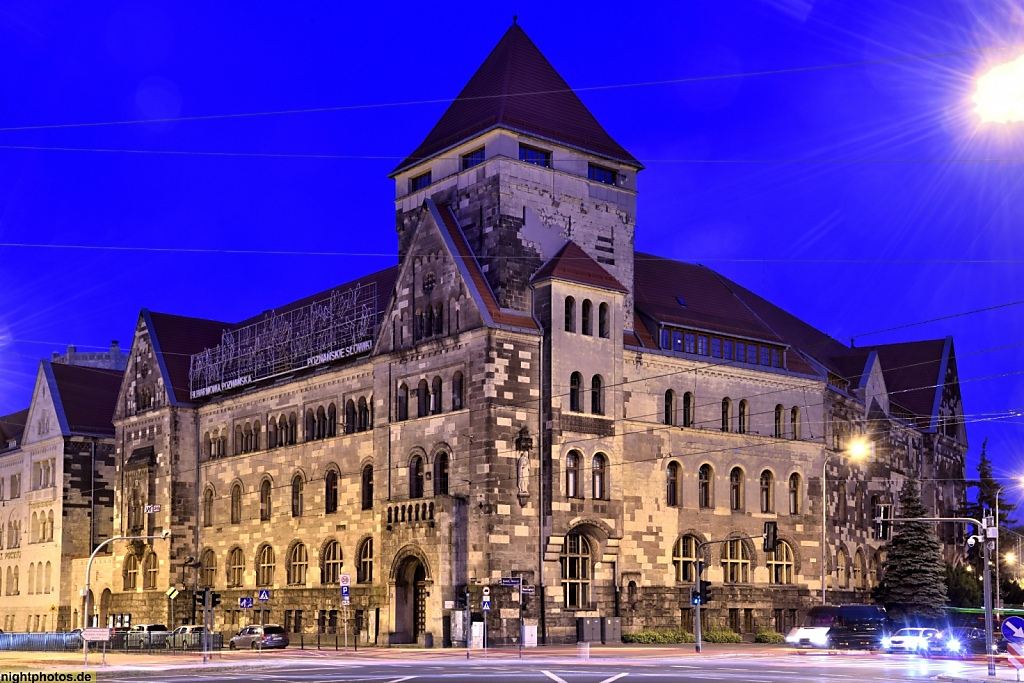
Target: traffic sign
[150, 509]
[487, 591]
[96, 634]
[1013, 629]
[245, 603]
[172, 592]
[344, 591]
[1015, 653]
[487, 604]
[511, 580]
[345, 600]
[264, 595]
[528, 590]
[345, 579]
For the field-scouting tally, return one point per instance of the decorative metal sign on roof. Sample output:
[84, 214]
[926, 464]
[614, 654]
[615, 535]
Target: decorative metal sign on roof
[317, 333]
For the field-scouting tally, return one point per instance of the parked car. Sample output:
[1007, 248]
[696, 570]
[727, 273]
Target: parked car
[844, 626]
[908, 640]
[961, 642]
[270, 635]
[147, 635]
[185, 638]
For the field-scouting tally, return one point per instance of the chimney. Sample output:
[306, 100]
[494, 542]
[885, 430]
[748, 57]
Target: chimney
[71, 349]
[115, 347]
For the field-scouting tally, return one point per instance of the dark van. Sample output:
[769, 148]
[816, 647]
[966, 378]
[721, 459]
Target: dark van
[842, 627]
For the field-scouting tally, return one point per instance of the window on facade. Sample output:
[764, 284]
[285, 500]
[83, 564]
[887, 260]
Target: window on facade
[572, 475]
[570, 314]
[600, 476]
[208, 568]
[670, 407]
[236, 567]
[131, 572]
[736, 489]
[603, 324]
[419, 182]
[532, 155]
[331, 492]
[673, 485]
[794, 494]
[702, 344]
[778, 421]
[367, 487]
[330, 571]
[422, 399]
[152, 567]
[271, 434]
[208, 507]
[236, 504]
[416, 477]
[716, 347]
[298, 563]
[842, 576]
[435, 397]
[727, 347]
[363, 422]
[265, 499]
[726, 414]
[690, 342]
[684, 559]
[457, 391]
[767, 491]
[332, 422]
[744, 421]
[687, 409]
[735, 562]
[597, 395]
[575, 561]
[677, 341]
[575, 388]
[265, 565]
[794, 423]
[776, 358]
[601, 174]
[741, 352]
[297, 490]
[859, 572]
[705, 486]
[474, 158]
[403, 402]
[780, 564]
[350, 416]
[441, 474]
[586, 317]
[765, 356]
[364, 573]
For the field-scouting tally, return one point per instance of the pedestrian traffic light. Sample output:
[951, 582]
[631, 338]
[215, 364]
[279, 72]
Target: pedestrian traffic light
[214, 599]
[200, 597]
[705, 592]
[770, 536]
[694, 596]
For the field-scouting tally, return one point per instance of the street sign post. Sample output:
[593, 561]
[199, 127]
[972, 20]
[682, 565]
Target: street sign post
[1015, 655]
[1013, 629]
[264, 595]
[245, 603]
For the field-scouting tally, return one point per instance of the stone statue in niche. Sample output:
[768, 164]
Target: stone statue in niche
[523, 444]
[523, 478]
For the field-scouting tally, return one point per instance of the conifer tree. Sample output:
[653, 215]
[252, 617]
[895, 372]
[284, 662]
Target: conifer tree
[914, 583]
[990, 493]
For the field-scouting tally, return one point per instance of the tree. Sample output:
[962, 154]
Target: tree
[914, 583]
[963, 587]
[990, 493]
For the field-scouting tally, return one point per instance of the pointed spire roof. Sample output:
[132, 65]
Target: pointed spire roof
[573, 264]
[517, 88]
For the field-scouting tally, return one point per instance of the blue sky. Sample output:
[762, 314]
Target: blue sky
[824, 154]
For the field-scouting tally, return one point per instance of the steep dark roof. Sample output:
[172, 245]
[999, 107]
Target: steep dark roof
[176, 338]
[575, 265]
[517, 88]
[911, 371]
[88, 397]
[12, 427]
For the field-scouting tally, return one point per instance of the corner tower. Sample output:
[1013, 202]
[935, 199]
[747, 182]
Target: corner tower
[526, 167]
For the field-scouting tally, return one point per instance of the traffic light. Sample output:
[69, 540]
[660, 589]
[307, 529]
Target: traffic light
[200, 597]
[770, 536]
[705, 595]
[883, 525]
[214, 599]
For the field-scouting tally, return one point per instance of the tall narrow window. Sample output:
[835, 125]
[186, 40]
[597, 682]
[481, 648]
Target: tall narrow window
[570, 314]
[687, 409]
[331, 492]
[435, 397]
[673, 485]
[422, 399]
[364, 572]
[736, 489]
[265, 566]
[265, 499]
[597, 395]
[575, 561]
[603, 324]
[367, 487]
[457, 391]
[735, 562]
[778, 421]
[364, 415]
[794, 423]
[403, 402]
[726, 414]
[236, 567]
[208, 507]
[152, 568]
[416, 477]
[744, 425]
[441, 474]
[572, 475]
[298, 563]
[780, 564]
[208, 563]
[350, 416]
[297, 490]
[586, 313]
[794, 494]
[767, 484]
[670, 407]
[600, 474]
[705, 486]
[131, 573]
[236, 504]
[330, 572]
[272, 433]
[575, 388]
[309, 425]
[684, 559]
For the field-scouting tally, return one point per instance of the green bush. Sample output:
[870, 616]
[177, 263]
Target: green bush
[714, 636]
[669, 637]
[765, 635]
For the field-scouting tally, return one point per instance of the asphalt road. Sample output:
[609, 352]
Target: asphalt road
[780, 668]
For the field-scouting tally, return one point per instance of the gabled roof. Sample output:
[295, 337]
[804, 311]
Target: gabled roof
[573, 264]
[175, 338]
[517, 88]
[912, 371]
[12, 427]
[87, 396]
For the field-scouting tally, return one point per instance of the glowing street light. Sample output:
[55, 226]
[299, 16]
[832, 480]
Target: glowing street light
[1000, 94]
[1010, 558]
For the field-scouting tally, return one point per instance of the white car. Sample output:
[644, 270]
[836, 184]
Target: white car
[911, 640]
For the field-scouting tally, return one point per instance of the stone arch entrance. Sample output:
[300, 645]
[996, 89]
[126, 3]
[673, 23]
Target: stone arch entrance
[105, 597]
[412, 588]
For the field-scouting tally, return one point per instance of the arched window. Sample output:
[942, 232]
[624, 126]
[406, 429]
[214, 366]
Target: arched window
[778, 421]
[33, 528]
[457, 391]
[726, 414]
[330, 571]
[131, 572]
[859, 570]
[670, 407]
[207, 445]
[422, 399]
[367, 487]
[350, 416]
[272, 433]
[794, 423]
[298, 563]
[321, 422]
[780, 564]
[416, 477]
[843, 576]
[586, 314]
[576, 570]
[736, 489]
[439, 319]
[744, 420]
[297, 490]
[32, 578]
[767, 492]
[572, 475]
[208, 507]
[364, 572]
[597, 395]
[600, 475]
[247, 439]
[48, 578]
[435, 396]
[735, 562]
[575, 388]
[705, 486]
[151, 568]
[236, 504]
[603, 323]
[293, 429]
[684, 558]
[403, 402]
[49, 525]
[428, 326]
[441, 474]
[673, 485]
[265, 565]
[364, 415]
[265, 500]
[236, 567]
[331, 492]
[794, 494]
[310, 425]
[570, 314]
[687, 409]
[208, 564]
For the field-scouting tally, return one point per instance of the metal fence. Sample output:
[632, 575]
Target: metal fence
[41, 642]
[145, 642]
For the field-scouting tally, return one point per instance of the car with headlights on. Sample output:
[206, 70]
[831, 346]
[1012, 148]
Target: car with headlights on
[960, 642]
[908, 640]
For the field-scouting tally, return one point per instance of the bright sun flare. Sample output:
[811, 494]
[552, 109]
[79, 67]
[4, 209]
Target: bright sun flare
[1000, 94]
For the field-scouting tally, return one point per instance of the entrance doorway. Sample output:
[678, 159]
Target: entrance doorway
[411, 592]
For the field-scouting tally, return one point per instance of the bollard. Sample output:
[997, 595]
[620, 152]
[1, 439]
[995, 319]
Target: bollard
[583, 650]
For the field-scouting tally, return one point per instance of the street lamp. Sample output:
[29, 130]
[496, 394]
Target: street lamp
[1000, 94]
[859, 449]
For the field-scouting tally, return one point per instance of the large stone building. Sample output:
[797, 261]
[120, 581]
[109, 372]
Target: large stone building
[521, 395]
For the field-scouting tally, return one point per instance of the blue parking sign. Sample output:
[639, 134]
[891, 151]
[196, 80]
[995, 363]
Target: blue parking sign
[344, 591]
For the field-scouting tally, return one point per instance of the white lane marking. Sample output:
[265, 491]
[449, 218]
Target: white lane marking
[399, 680]
[553, 677]
[614, 678]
